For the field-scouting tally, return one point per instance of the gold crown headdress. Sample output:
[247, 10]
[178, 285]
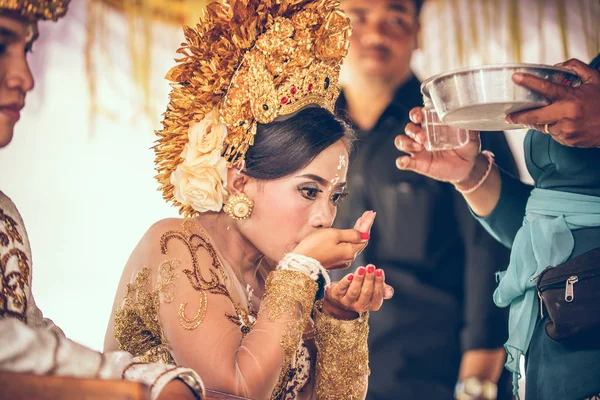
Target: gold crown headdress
[249, 61]
[37, 9]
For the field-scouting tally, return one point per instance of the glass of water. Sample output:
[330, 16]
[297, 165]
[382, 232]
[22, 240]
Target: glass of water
[438, 135]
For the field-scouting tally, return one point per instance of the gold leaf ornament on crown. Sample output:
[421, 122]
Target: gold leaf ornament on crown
[250, 61]
[36, 9]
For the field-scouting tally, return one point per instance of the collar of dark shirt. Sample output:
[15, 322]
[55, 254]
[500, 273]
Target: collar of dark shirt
[407, 96]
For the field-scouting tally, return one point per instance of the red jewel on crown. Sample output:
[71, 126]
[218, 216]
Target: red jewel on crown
[293, 90]
[284, 100]
[310, 86]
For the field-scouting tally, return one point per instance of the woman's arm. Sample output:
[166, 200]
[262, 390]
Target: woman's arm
[497, 198]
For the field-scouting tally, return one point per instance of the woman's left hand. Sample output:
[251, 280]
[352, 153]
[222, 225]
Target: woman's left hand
[572, 118]
[361, 291]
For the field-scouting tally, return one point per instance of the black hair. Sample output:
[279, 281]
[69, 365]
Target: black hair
[418, 6]
[284, 147]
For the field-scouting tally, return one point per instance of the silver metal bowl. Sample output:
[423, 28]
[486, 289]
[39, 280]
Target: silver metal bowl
[479, 98]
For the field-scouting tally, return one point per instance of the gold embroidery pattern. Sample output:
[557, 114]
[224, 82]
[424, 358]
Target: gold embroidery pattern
[284, 291]
[137, 327]
[214, 283]
[196, 320]
[13, 301]
[342, 356]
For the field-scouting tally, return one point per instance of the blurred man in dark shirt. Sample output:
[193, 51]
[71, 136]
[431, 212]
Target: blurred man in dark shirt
[441, 328]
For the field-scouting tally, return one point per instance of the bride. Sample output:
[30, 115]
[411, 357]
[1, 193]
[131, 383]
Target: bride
[253, 157]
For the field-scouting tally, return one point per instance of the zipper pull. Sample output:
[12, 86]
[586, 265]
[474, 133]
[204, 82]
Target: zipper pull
[569, 292]
[541, 304]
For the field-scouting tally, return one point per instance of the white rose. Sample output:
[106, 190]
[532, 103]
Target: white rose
[201, 186]
[205, 141]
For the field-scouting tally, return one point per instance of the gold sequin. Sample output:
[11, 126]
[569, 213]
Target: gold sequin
[342, 356]
[285, 291]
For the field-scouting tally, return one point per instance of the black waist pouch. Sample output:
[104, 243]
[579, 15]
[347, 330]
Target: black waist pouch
[570, 294]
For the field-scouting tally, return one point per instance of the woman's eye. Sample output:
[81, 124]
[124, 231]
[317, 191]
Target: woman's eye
[309, 193]
[337, 197]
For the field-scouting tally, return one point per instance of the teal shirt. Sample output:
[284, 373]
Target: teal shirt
[554, 372]
[554, 167]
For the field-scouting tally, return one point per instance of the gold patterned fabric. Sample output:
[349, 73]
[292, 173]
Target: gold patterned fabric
[285, 289]
[288, 299]
[15, 269]
[37, 9]
[343, 362]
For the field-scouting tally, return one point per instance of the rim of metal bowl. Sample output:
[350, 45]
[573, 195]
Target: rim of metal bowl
[429, 81]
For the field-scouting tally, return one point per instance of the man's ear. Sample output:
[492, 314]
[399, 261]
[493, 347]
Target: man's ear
[236, 181]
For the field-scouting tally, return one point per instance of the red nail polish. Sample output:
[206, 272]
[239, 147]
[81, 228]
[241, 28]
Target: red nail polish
[370, 269]
[365, 236]
[379, 273]
[361, 271]
[350, 277]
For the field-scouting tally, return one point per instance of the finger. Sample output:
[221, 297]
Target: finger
[353, 292]
[352, 236]
[342, 286]
[367, 222]
[545, 115]
[367, 290]
[550, 90]
[378, 291]
[586, 73]
[389, 292]
[359, 221]
[407, 144]
[418, 162]
[416, 115]
[415, 132]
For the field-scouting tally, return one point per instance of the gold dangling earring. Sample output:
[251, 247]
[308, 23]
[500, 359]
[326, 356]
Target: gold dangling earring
[239, 206]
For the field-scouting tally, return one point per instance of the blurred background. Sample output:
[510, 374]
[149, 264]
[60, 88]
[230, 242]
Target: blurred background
[80, 167]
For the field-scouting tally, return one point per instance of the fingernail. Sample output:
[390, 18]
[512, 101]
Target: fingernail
[365, 236]
[379, 273]
[370, 269]
[361, 271]
[390, 291]
[350, 277]
[508, 119]
[517, 77]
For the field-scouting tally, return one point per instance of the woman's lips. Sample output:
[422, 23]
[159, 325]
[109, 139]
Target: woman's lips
[12, 111]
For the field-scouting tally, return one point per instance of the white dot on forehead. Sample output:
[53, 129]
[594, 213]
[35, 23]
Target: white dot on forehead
[341, 163]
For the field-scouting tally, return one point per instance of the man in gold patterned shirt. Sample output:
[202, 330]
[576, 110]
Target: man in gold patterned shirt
[30, 343]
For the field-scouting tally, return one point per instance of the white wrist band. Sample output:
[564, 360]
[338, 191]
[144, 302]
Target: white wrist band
[304, 264]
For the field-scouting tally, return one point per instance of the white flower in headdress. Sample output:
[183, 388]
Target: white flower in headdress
[200, 180]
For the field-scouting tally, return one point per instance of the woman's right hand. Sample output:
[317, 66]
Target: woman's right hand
[453, 165]
[337, 248]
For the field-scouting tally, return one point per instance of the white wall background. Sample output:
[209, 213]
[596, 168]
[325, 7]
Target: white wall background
[85, 189]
